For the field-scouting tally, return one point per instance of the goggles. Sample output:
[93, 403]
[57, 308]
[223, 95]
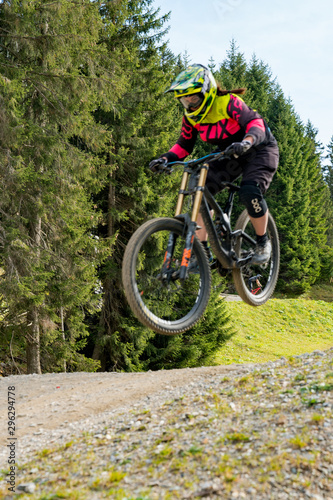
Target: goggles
[192, 101]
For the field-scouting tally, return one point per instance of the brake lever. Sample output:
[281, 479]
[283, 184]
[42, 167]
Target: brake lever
[225, 154]
[168, 170]
[164, 169]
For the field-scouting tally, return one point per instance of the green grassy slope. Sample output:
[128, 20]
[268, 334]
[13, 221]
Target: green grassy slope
[281, 327]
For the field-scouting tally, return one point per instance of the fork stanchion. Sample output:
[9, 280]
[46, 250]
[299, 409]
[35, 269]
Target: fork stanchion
[199, 192]
[181, 194]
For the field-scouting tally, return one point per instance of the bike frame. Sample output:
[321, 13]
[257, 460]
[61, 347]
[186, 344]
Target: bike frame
[224, 250]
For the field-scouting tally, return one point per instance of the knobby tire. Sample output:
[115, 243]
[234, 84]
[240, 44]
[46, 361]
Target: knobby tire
[168, 308]
[269, 271]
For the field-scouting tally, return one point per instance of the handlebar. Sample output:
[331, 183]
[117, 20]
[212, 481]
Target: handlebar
[165, 167]
[212, 156]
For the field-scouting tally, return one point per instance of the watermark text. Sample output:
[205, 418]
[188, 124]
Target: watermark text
[11, 440]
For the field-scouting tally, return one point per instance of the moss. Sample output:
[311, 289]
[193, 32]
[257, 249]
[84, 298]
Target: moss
[237, 437]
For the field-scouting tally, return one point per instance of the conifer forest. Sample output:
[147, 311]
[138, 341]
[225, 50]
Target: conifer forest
[82, 113]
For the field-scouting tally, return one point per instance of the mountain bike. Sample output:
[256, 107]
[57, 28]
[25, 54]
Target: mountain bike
[166, 271]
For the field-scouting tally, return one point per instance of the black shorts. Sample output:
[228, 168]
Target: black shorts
[257, 165]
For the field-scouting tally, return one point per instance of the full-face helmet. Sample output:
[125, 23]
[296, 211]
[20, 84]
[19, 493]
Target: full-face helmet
[196, 89]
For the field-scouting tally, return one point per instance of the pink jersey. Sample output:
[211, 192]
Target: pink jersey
[228, 121]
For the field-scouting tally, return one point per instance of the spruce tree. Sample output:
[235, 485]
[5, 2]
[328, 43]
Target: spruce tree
[328, 169]
[328, 208]
[289, 200]
[147, 125]
[142, 128]
[199, 345]
[295, 196]
[232, 70]
[321, 217]
[55, 72]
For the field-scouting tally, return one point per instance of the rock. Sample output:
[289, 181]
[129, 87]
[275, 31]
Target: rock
[282, 420]
[27, 487]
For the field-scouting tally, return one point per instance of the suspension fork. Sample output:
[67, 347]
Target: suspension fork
[190, 234]
[168, 254]
[172, 237]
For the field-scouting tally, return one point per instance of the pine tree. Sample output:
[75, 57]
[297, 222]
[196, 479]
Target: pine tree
[328, 169]
[142, 129]
[261, 89]
[197, 346]
[146, 126]
[211, 64]
[289, 201]
[55, 72]
[232, 70]
[328, 210]
[295, 196]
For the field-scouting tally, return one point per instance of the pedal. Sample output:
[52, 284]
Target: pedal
[244, 261]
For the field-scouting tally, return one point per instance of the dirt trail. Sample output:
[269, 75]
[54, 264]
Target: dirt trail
[47, 401]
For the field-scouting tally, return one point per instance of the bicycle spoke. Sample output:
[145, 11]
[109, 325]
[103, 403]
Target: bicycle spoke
[157, 296]
[165, 296]
[256, 283]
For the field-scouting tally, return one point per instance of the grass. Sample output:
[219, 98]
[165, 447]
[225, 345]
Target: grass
[281, 327]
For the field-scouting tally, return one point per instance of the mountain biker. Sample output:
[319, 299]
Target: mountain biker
[221, 117]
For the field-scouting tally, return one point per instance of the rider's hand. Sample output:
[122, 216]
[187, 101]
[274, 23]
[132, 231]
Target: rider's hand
[158, 165]
[239, 148]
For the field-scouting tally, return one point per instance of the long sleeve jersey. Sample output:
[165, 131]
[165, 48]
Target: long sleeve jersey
[228, 121]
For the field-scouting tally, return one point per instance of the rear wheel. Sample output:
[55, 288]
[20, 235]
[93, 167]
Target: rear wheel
[255, 284]
[164, 303]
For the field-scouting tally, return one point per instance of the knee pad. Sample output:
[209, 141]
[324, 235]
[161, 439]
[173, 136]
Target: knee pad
[251, 196]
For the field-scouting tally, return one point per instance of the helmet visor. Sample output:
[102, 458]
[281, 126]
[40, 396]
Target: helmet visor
[192, 102]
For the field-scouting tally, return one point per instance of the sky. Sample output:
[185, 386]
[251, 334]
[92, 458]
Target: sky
[293, 37]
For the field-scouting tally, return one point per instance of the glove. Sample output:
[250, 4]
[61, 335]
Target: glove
[158, 165]
[239, 148]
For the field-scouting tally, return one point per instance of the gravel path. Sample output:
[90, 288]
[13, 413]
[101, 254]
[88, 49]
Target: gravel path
[241, 431]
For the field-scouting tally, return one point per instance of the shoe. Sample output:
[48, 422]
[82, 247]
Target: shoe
[262, 253]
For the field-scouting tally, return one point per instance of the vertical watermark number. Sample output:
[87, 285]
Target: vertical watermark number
[11, 445]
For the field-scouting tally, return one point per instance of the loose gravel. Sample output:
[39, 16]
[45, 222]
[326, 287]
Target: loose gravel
[255, 432]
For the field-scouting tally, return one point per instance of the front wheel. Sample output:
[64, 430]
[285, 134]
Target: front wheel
[255, 284]
[164, 303]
